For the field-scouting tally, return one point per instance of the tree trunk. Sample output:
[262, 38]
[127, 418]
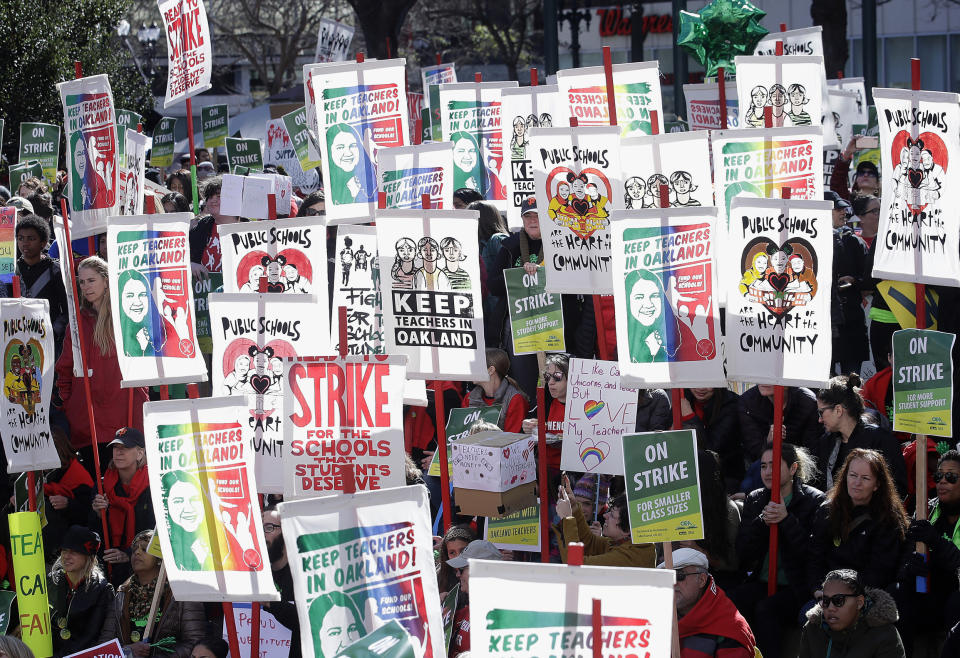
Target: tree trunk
[380, 20]
[832, 16]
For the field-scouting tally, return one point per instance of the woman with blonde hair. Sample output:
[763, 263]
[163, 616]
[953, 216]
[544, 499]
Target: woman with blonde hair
[113, 407]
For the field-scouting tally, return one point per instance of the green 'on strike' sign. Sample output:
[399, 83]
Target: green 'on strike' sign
[922, 381]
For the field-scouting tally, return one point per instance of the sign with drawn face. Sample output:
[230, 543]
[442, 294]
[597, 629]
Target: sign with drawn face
[432, 77]
[577, 177]
[920, 148]
[778, 276]
[789, 86]
[681, 161]
[583, 96]
[252, 335]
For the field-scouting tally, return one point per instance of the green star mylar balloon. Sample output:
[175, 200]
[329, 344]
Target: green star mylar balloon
[721, 31]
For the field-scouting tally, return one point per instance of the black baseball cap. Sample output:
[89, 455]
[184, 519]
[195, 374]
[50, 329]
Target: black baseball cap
[128, 437]
[529, 205]
[838, 201]
[81, 539]
[867, 167]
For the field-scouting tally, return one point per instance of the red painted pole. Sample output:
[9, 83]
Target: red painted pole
[360, 57]
[439, 59]
[542, 472]
[722, 91]
[611, 95]
[389, 54]
[534, 77]
[596, 620]
[68, 250]
[478, 77]
[418, 132]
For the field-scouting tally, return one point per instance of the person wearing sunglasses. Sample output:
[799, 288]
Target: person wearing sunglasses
[840, 409]
[851, 620]
[284, 610]
[937, 609]
[708, 622]
[555, 380]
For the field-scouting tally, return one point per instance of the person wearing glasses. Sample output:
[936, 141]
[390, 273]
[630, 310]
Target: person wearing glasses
[284, 610]
[840, 409]
[183, 623]
[861, 525]
[555, 379]
[851, 620]
[938, 608]
[708, 622]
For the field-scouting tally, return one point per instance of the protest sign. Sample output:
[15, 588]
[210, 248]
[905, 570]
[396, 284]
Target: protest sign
[243, 152]
[189, 56]
[536, 316]
[805, 42]
[459, 422]
[6, 600]
[703, 105]
[248, 195]
[777, 274]
[205, 497]
[359, 563]
[681, 161]
[110, 649]
[275, 638]
[432, 77]
[519, 531]
[280, 151]
[663, 489]
[126, 120]
[920, 148]
[91, 132]
[668, 329]
[549, 610]
[761, 162]
[843, 104]
[285, 255]
[153, 318]
[8, 239]
[355, 417]
[312, 125]
[448, 612]
[855, 85]
[296, 124]
[23, 171]
[599, 410]
[26, 545]
[636, 89]
[132, 173]
[333, 41]
[214, 125]
[923, 382]
[202, 287]
[406, 173]
[164, 142]
[789, 86]
[27, 344]
[432, 311]
[40, 142]
[522, 109]
[356, 286]
[470, 117]
[361, 108]
[66, 274]
[252, 335]
[577, 176]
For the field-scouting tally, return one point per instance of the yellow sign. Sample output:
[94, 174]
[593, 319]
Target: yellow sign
[26, 542]
[519, 531]
[901, 297]
[154, 547]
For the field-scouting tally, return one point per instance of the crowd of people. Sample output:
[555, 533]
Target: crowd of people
[849, 579]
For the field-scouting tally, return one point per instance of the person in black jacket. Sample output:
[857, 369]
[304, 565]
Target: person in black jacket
[654, 410]
[284, 610]
[860, 526]
[80, 597]
[39, 274]
[840, 407]
[204, 237]
[712, 413]
[794, 518]
[756, 418]
[850, 345]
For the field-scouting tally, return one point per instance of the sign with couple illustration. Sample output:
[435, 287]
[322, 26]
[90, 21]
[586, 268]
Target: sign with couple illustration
[154, 325]
[777, 275]
[577, 177]
[918, 239]
[363, 574]
[360, 108]
[252, 335]
[205, 497]
[668, 330]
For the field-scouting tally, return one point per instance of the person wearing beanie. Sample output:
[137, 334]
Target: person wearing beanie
[79, 594]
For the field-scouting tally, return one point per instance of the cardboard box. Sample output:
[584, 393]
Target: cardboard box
[493, 461]
[472, 502]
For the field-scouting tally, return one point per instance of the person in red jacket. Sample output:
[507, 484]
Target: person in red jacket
[500, 388]
[555, 379]
[708, 622]
[113, 407]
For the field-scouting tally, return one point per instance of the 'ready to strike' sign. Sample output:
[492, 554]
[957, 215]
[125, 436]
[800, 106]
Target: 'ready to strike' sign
[923, 382]
[340, 412]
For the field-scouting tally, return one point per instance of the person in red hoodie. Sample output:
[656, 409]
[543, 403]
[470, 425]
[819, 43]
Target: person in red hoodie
[113, 407]
[708, 622]
[500, 388]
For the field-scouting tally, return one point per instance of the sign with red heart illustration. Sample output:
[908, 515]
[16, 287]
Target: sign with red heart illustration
[576, 174]
[917, 238]
[778, 291]
[252, 336]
